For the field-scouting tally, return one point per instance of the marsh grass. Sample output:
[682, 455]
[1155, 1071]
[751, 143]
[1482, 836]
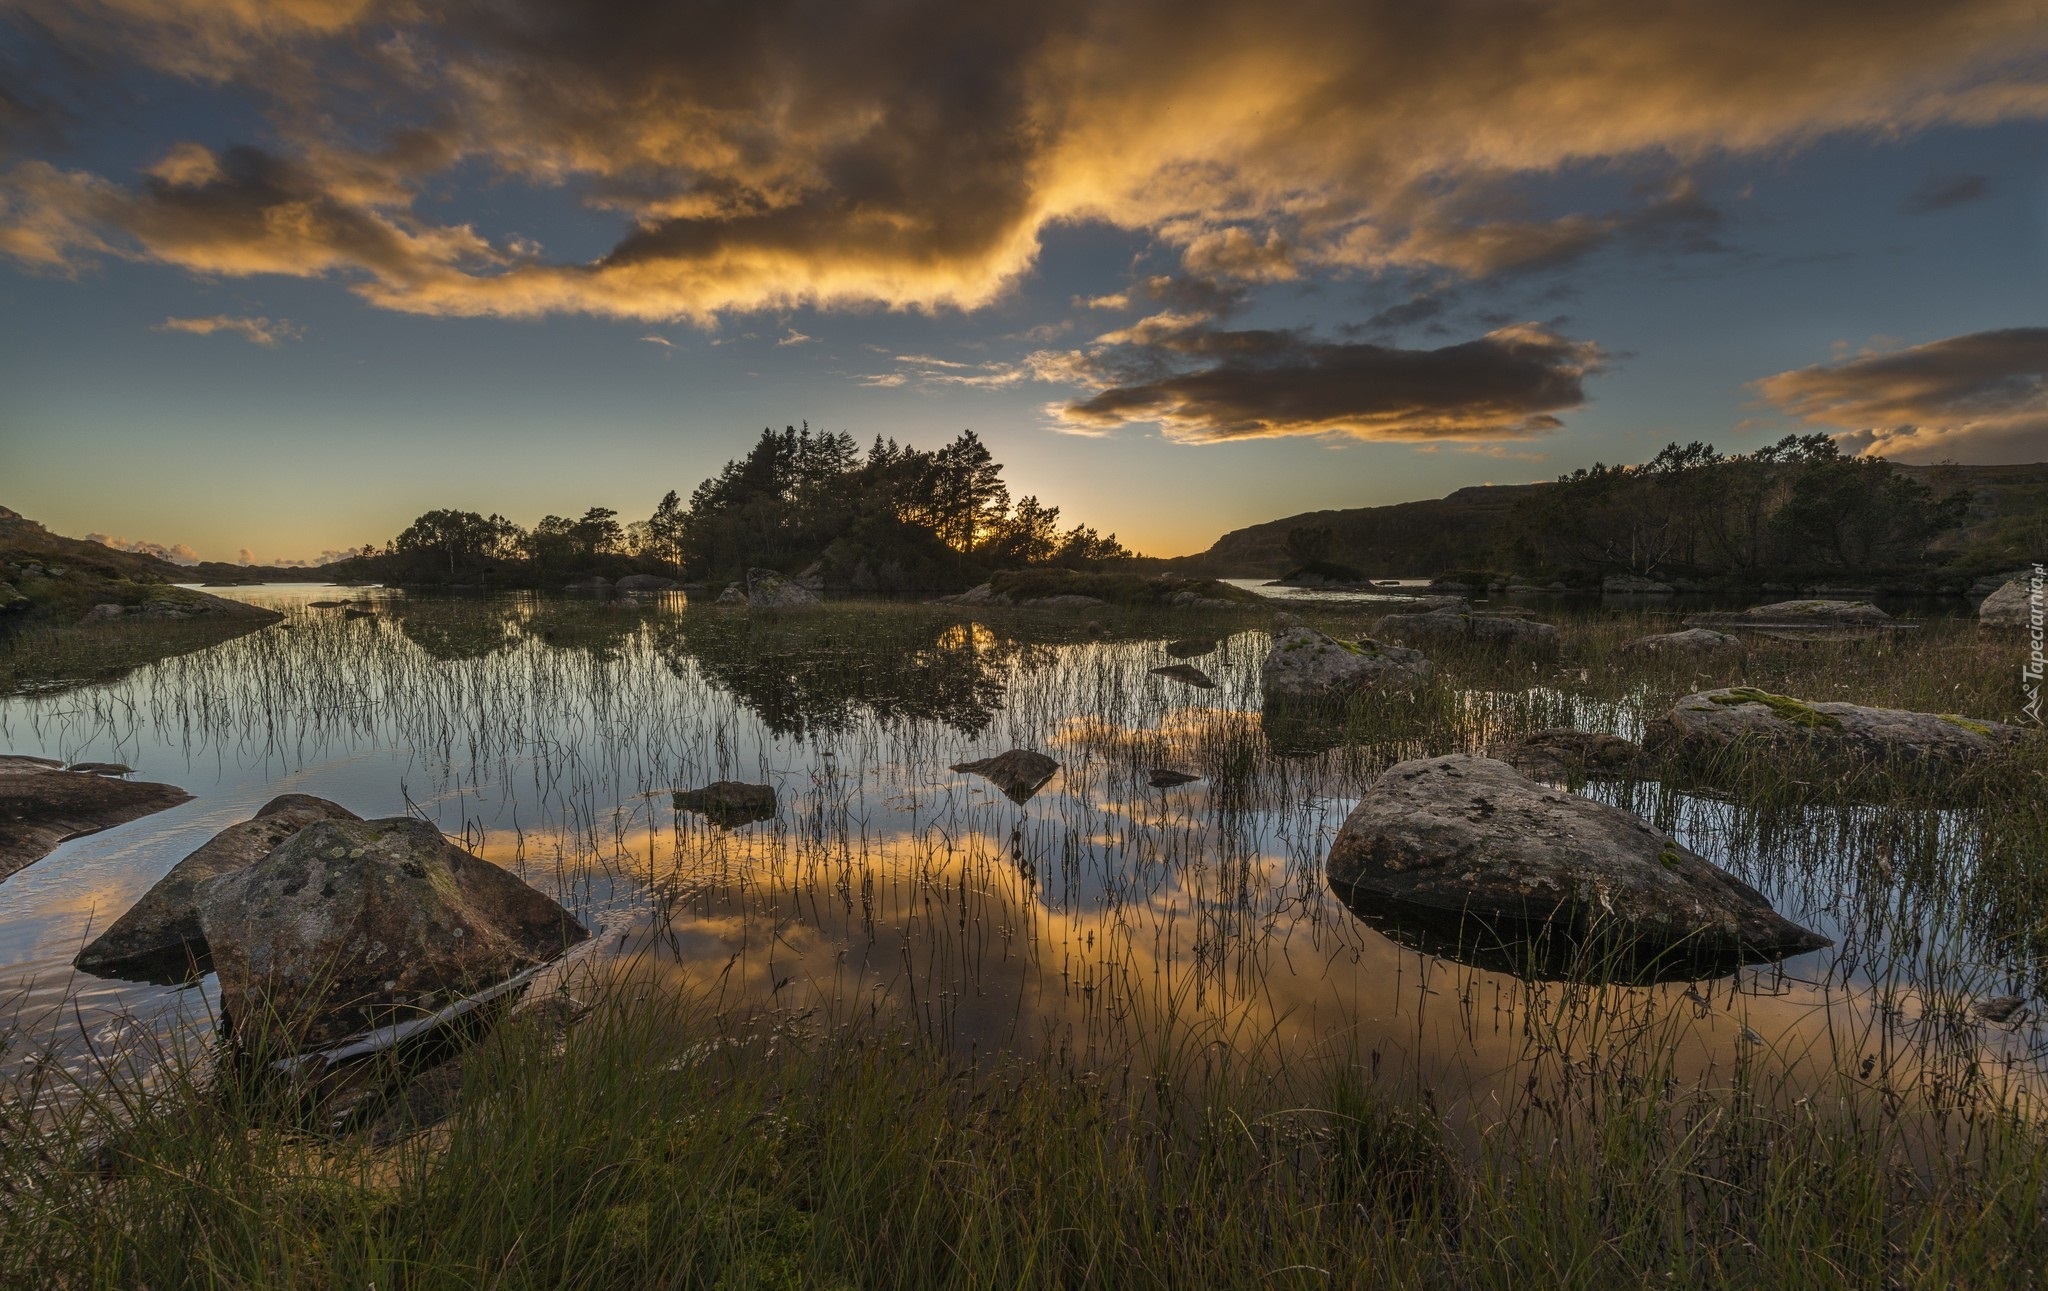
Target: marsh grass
[657, 1143]
[1163, 1115]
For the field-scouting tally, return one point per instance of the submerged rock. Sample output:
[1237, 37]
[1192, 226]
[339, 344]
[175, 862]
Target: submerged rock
[1452, 625]
[159, 938]
[1308, 667]
[2010, 606]
[350, 925]
[1020, 773]
[1560, 752]
[1999, 1008]
[1168, 778]
[730, 803]
[42, 804]
[1185, 672]
[1190, 647]
[1470, 853]
[1847, 736]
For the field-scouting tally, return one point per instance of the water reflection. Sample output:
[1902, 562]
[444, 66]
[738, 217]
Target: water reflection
[1103, 919]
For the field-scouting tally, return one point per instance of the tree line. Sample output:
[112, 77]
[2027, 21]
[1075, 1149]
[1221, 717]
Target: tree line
[1795, 507]
[891, 518]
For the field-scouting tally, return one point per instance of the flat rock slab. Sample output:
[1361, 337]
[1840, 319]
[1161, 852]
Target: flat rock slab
[1449, 627]
[1478, 855]
[1020, 773]
[159, 938]
[1848, 736]
[730, 803]
[1186, 672]
[1305, 666]
[1804, 620]
[1190, 647]
[1692, 643]
[1168, 778]
[42, 805]
[352, 925]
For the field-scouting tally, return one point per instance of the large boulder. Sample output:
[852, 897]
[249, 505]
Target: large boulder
[1847, 737]
[1309, 667]
[42, 804]
[1695, 643]
[1453, 625]
[350, 925]
[1468, 853]
[159, 938]
[2011, 606]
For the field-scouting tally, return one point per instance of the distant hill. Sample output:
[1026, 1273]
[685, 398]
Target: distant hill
[1467, 530]
[1473, 528]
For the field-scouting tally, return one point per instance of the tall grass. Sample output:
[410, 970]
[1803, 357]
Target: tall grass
[911, 1034]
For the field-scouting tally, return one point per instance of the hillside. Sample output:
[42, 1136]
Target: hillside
[1468, 529]
[1473, 528]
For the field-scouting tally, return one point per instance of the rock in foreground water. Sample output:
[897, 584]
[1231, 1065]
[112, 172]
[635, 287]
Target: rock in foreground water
[159, 939]
[730, 803]
[1020, 773]
[1476, 854]
[1308, 667]
[42, 804]
[1186, 672]
[1846, 736]
[349, 925]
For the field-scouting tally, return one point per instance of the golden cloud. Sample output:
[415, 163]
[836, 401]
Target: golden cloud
[1982, 396]
[1203, 384]
[913, 155]
[256, 331]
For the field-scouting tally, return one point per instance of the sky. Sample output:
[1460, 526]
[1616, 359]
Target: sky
[278, 275]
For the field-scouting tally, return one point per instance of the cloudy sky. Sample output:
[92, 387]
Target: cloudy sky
[278, 275]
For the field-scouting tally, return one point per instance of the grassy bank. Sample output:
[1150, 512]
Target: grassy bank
[657, 1145]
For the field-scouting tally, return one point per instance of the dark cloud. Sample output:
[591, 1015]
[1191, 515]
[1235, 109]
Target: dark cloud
[1204, 384]
[912, 154]
[1938, 193]
[1982, 397]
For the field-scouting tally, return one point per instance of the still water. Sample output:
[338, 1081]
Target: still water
[1101, 922]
